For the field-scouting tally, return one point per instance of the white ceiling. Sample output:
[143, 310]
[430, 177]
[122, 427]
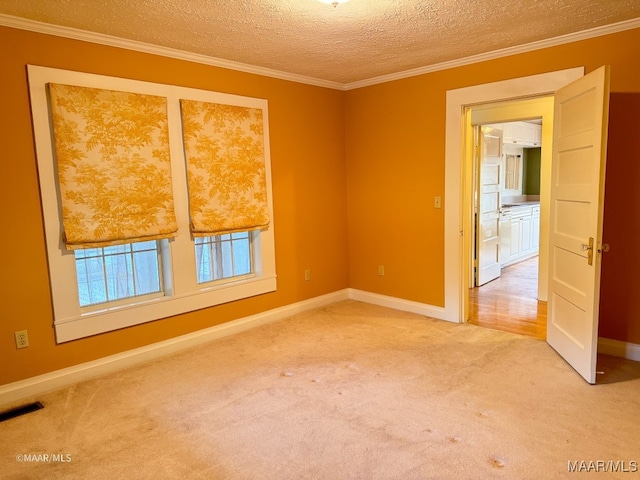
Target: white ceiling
[354, 42]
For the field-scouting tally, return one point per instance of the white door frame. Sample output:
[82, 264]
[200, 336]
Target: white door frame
[457, 176]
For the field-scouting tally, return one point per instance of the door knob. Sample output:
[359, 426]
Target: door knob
[604, 248]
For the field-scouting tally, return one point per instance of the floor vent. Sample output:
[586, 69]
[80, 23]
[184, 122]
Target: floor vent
[16, 412]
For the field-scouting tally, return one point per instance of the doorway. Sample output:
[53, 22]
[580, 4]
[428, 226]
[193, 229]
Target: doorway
[457, 178]
[572, 329]
[498, 305]
[504, 286]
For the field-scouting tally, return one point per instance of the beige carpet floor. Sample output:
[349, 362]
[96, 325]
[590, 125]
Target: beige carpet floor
[349, 391]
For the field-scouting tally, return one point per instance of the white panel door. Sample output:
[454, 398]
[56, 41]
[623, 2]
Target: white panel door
[488, 223]
[577, 201]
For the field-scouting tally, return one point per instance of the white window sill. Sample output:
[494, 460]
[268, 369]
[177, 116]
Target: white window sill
[93, 323]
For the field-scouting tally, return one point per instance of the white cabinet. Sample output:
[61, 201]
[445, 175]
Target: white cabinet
[524, 134]
[524, 234]
[513, 132]
[520, 233]
[516, 233]
[535, 228]
[505, 239]
[531, 134]
[537, 136]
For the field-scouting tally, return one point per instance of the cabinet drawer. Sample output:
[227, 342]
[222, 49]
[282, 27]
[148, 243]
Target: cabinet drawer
[520, 211]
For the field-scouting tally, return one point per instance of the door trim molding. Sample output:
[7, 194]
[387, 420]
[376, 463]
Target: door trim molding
[455, 174]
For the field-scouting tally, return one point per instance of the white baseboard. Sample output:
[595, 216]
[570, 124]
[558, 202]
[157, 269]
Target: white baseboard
[398, 304]
[617, 348]
[14, 392]
[23, 389]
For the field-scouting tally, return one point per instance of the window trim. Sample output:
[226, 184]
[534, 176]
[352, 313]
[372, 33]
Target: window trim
[182, 292]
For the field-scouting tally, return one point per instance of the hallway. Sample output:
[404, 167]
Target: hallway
[510, 302]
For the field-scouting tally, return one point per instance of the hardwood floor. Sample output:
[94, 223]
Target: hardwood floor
[510, 303]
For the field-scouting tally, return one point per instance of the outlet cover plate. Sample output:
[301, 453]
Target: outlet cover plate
[22, 339]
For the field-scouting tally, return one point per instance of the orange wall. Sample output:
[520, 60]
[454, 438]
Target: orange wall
[309, 193]
[395, 166]
[341, 207]
[620, 287]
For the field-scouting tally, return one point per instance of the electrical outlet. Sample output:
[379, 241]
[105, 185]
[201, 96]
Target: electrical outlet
[381, 270]
[22, 339]
[437, 202]
[307, 275]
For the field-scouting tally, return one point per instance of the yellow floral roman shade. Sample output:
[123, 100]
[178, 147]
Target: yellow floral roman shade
[114, 167]
[224, 148]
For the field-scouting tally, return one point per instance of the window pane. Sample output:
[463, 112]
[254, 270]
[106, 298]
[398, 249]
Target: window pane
[241, 259]
[148, 245]
[147, 276]
[216, 258]
[96, 280]
[88, 252]
[118, 276]
[114, 249]
[227, 265]
[203, 263]
[84, 293]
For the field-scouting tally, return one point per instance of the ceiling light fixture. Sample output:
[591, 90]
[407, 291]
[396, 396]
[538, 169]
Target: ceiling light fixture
[335, 3]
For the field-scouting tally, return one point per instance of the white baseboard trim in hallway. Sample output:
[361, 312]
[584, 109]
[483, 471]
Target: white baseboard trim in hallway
[23, 389]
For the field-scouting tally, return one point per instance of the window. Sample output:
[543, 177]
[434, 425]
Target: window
[221, 257]
[513, 173]
[97, 290]
[118, 272]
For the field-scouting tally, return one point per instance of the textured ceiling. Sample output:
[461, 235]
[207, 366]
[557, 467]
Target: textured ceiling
[358, 40]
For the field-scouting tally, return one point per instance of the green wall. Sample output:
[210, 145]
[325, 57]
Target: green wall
[531, 171]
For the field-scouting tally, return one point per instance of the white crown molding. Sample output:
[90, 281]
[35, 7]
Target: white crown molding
[505, 52]
[77, 34]
[111, 41]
